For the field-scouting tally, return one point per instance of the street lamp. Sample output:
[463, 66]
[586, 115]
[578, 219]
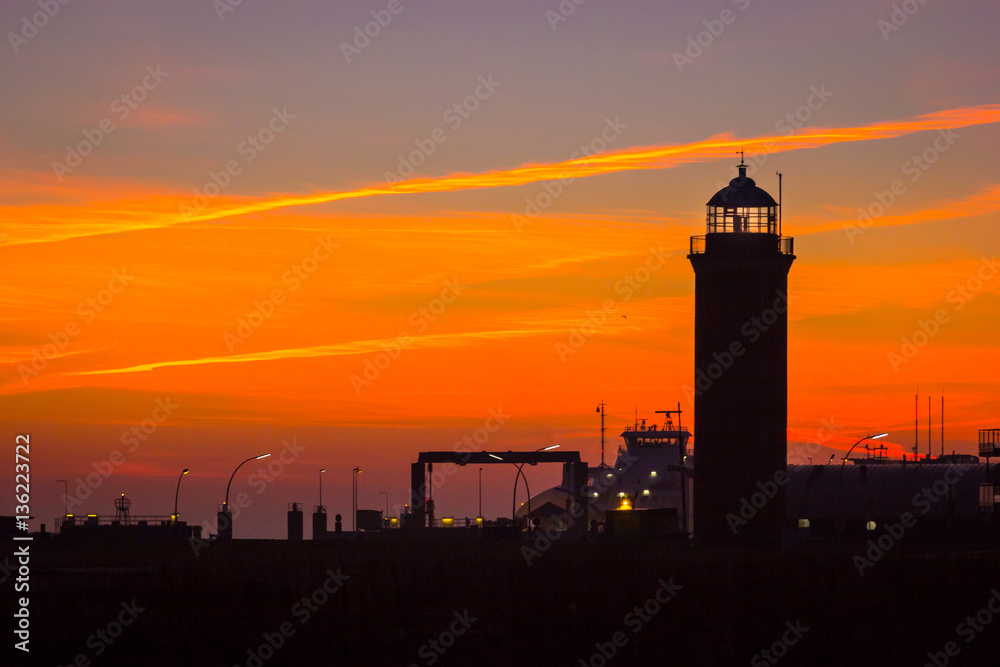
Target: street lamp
[225, 505]
[354, 523]
[867, 437]
[480, 515]
[520, 473]
[65, 496]
[321, 471]
[173, 519]
[386, 494]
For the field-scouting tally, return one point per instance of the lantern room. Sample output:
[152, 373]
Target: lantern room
[742, 207]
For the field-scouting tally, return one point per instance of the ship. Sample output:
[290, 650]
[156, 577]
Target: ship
[653, 470]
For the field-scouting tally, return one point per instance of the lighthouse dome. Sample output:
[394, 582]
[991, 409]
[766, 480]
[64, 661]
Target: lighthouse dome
[742, 192]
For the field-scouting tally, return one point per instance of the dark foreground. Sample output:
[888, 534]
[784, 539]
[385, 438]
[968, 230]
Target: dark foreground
[424, 602]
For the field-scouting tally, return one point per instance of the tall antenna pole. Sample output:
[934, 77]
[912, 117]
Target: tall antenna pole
[942, 424]
[928, 427]
[600, 408]
[780, 207]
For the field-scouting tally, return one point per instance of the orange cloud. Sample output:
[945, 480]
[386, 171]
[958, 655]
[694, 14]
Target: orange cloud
[660, 157]
[355, 347]
[161, 211]
[981, 203]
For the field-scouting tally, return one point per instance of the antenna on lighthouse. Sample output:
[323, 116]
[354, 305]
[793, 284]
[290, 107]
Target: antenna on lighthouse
[780, 207]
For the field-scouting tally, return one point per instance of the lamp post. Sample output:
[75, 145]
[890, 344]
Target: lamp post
[867, 437]
[543, 449]
[321, 471]
[386, 515]
[520, 473]
[480, 515]
[225, 505]
[65, 497]
[252, 458]
[173, 519]
[354, 520]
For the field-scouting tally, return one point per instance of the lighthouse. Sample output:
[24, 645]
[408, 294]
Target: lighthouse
[741, 269]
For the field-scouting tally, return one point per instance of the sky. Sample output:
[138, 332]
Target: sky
[350, 232]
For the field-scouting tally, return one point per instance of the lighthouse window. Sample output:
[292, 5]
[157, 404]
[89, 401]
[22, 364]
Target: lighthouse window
[756, 219]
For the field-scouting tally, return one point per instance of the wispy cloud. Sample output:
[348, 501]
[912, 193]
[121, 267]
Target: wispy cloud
[984, 202]
[124, 216]
[657, 157]
[338, 349]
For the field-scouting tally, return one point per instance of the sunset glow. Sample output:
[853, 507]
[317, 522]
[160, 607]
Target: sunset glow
[313, 299]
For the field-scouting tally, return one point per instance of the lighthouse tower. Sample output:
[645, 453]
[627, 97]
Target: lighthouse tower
[741, 379]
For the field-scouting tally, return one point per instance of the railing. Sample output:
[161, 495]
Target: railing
[989, 442]
[95, 520]
[786, 245]
[987, 496]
